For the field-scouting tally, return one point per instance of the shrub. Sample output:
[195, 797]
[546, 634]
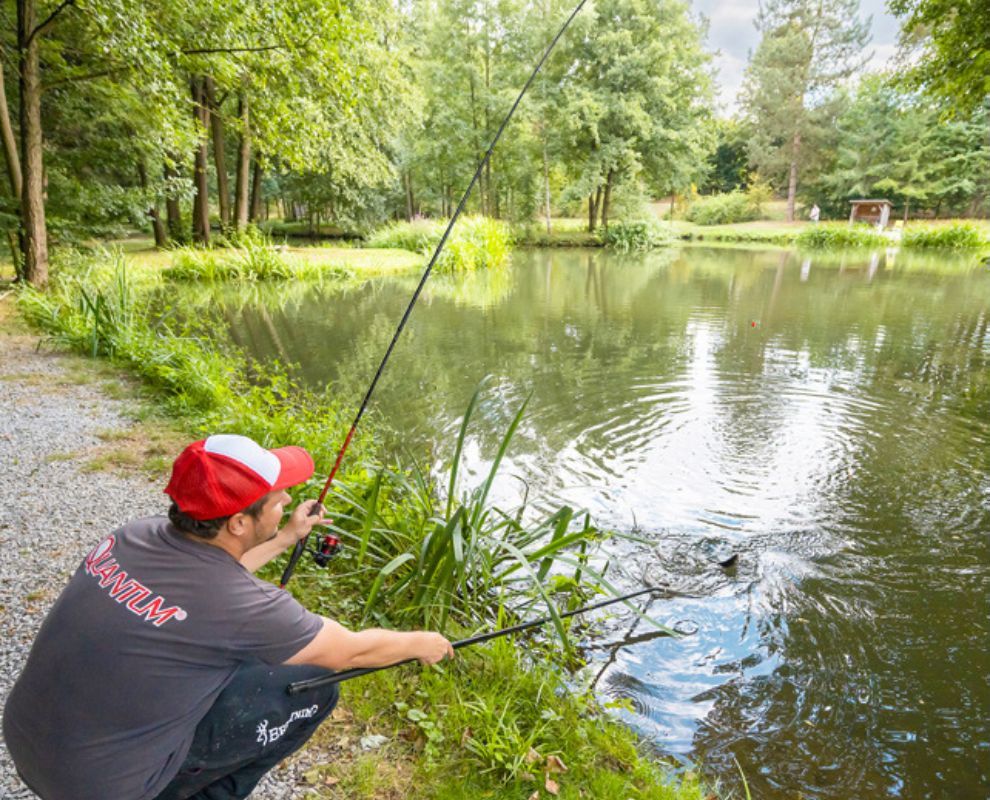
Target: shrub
[841, 234]
[641, 235]
[723, 209]
[417, 236]
[474, 243]
[953, 235]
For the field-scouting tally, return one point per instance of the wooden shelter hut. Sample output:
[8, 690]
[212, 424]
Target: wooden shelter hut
[875, 212]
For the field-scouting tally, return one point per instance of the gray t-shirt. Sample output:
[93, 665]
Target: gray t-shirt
[147, 633]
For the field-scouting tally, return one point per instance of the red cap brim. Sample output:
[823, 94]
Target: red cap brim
[297, 467]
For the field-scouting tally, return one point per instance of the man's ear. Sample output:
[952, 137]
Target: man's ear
[237, 524]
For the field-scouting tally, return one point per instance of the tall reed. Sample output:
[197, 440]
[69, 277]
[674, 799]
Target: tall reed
[459, 559]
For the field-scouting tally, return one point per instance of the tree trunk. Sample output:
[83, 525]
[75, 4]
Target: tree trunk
[608, 198]
[173, 211]
[546, 184]
[243, 165]
[32, 154]
[156, 219]
[201, 200]
[907, 202]
[594, 206]
[256, 192]
[9, 142]
[792, 184]
[219, 155]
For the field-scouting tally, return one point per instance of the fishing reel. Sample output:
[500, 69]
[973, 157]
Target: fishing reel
[325, 547]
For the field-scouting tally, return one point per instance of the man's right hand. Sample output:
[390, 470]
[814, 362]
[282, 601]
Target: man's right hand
[435, 648]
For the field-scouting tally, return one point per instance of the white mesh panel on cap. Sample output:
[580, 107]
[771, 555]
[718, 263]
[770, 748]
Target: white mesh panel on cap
[251, 454]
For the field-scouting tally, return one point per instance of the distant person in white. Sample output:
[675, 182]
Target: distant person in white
[815, 213]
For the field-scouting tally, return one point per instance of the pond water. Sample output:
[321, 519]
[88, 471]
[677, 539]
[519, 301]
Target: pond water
[824, 418]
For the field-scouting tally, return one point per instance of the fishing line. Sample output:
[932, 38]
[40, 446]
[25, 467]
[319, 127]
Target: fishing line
[329, 544]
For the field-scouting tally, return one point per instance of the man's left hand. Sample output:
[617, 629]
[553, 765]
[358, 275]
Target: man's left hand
[302, 521]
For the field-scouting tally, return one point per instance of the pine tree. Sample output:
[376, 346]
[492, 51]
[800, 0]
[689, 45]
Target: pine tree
[808, 48]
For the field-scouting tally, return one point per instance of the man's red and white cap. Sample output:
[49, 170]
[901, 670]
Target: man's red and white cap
[224, 474]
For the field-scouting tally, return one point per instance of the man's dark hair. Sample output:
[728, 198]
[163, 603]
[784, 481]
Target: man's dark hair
[209, 528]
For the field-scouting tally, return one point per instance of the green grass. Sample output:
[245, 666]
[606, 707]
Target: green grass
[432, 559]
[325, 258]
[497, 722]
[564, 232]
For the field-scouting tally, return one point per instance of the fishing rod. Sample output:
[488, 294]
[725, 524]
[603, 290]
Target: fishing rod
[314, 683]
[329, 544]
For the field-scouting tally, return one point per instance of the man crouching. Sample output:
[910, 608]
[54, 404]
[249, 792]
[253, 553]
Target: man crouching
[160, 672]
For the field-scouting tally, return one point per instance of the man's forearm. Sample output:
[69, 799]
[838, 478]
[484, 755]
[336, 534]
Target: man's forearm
[255, 558]
[375, 647]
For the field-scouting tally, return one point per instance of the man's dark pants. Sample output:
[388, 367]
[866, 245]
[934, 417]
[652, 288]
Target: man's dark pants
[252, 726]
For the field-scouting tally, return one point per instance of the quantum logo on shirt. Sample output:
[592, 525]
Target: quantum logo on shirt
[127, 591]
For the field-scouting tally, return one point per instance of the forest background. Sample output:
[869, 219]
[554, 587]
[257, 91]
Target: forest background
[197, 119]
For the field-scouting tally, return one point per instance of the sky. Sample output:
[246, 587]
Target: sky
[731, 36]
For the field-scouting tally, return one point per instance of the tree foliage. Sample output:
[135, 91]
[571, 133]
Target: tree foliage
[948, 42]
[896, 144]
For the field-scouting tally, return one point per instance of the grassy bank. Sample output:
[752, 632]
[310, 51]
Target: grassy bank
[324, 258]
[504, 720]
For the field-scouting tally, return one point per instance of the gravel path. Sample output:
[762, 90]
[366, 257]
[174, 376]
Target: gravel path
[51, 513]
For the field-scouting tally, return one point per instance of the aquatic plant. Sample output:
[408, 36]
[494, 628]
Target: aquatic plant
[417, 236]
[253, 256]
[636, 235]
[458, 558]
[841, 234]
[474, 243]
[955, 235]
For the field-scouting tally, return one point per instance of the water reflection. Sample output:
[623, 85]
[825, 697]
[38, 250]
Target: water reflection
[826, 418]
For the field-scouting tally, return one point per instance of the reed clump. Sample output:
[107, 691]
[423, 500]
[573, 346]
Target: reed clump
[253, 256]
[825, 235]
[636, 235]
[474, 243]
[952, 236]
